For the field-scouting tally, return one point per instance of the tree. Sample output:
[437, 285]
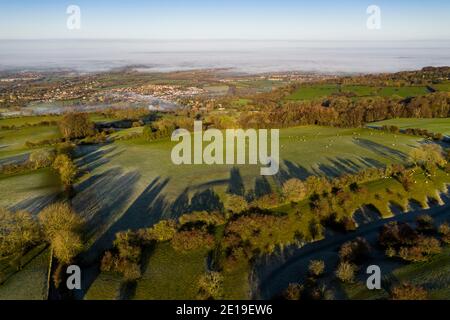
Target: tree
[428, 154]
[346, 272]
[76, 125]
[210, 286]
[41, 158]
[316, 267]
[164, 230]
[67, 170]
[66, 245]
[235, 203]
[294, 190]
[18, 232]
[407, 291]
[62, 226]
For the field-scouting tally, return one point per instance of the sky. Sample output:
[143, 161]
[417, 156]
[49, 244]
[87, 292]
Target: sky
[226, 19]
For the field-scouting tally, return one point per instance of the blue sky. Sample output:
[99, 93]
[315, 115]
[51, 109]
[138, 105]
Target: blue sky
[227, 19]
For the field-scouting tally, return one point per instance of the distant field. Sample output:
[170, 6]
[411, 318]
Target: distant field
[444, 86]
[310, 92]
[435, 125]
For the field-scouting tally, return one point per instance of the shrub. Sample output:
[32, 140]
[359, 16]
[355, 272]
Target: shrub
[425, 223]
[192, 240]
[66, 168]
[425, 247]
[235, 203]
[407, 291]
[316, 267]
[294, 190]
[210, 286]
[202, 217]
[41, 159]
[346, 272]
[354, 251]
[18, 232]
[444, 230]
[293, 291]
[66, 246]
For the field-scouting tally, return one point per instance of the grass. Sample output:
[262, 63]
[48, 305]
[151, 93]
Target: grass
[12, 142]
[171, 275]
[310, 92]
[30, 190]
[435, 125]
[444, 86]
[139, 178]
[31, 282]
[433, 275]
[313, 92]
[105, 287]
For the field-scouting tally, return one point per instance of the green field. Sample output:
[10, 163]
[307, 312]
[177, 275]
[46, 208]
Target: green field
[434, 275]
[105, 287]
[171, 275]
[31, 190]
[434, 125]
[31, 282]
[310, 92]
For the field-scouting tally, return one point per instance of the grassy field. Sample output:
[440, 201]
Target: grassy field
[134, 182]
[311, 92]
[31, 190]
[171, 275]
[434, 275]
[105, 287]
[433, 125]
[31, 282]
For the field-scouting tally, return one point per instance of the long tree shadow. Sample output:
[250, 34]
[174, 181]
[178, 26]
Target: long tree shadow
[236, 184]
[146, 210]
[206, 200]
[380, 149]
[262, 187]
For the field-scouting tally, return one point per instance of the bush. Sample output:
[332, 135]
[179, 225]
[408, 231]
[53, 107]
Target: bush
[425, 247]
[202, 217]
[293, 291]
[407, 291]
[164, 230]
[41, 159]
[66, 168]
[354, 251]
[425, 224]
[18, 232]
[235, 203]
[192, 240]
[316, 267]
[210, 286]
[346, 272]
[444, 230]
[294, 190]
